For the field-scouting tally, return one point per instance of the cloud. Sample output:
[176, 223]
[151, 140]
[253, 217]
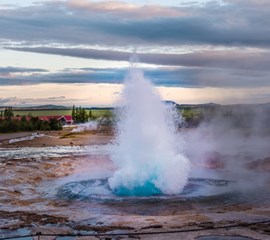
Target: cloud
[78, 94]
[58, 100]
[11, 72]
[226, 59]
[120, 24]
[195, 77]
[5, 70]
[236, 35]
[254, 3]
[123, 9]
[3, 101]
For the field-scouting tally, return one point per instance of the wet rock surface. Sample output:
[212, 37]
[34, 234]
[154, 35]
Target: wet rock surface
[29, 203]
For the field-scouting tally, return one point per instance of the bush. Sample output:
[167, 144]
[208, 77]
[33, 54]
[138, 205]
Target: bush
[9, 124]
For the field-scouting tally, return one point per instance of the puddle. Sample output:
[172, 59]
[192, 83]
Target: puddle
[18, 232]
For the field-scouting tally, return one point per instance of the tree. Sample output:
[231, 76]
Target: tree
[90, 115]
[84, 115]
[80, 115]
[76, 114]
[8, 112]
[73, 113]
[54, 124]
[34, 122]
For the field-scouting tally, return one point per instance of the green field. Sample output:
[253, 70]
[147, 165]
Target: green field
[57, 112]
[190, 113]
[187, 113]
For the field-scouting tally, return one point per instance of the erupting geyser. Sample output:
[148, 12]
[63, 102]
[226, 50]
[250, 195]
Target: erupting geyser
[147, 151]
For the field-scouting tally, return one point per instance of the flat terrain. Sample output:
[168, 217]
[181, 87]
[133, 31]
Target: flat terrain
[56, 112]
[32, 173]
[8, 136]
[55, 138]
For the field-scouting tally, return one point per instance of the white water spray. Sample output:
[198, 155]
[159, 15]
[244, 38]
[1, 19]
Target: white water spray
[147, 151]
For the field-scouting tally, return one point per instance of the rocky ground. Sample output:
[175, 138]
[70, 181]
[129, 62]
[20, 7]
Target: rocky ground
[26, 207]
[57, 138]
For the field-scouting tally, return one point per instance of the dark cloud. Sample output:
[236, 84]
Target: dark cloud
[80, 53]
[237, 59]
[7, 70]
[170, 77]
[236, 24]
[242, 24]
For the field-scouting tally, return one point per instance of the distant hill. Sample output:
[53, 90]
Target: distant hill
[49, 106]
[42, 107]
[172, 103]
[204, 105]
[57, 107]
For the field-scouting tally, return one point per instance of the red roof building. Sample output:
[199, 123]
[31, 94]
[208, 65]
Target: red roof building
[65, 120]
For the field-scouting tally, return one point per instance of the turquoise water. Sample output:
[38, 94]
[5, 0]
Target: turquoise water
[99, 189]
[147, 189]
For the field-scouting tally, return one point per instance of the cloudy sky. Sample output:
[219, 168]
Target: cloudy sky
[78, 51]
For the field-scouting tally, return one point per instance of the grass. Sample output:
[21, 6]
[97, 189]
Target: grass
[38, 113]
[58, 112]
[190, 113]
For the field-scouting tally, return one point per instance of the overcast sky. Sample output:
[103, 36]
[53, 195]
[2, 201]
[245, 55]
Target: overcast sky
[78, 51]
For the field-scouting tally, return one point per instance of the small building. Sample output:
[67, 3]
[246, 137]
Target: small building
[65, 120]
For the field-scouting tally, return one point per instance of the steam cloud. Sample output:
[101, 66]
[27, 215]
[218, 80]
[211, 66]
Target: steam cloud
[232, 144]
[147, 151]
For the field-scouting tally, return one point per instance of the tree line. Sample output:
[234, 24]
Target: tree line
[80, 114]
[9, 123]
[7, 113]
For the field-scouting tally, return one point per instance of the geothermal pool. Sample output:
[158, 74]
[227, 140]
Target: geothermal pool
[91, 169]
[66, 187]
[99, 190]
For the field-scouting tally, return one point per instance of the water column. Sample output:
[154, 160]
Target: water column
[146, 150]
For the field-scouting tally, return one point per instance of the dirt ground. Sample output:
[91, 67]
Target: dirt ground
[26, 207]
[58, 138]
